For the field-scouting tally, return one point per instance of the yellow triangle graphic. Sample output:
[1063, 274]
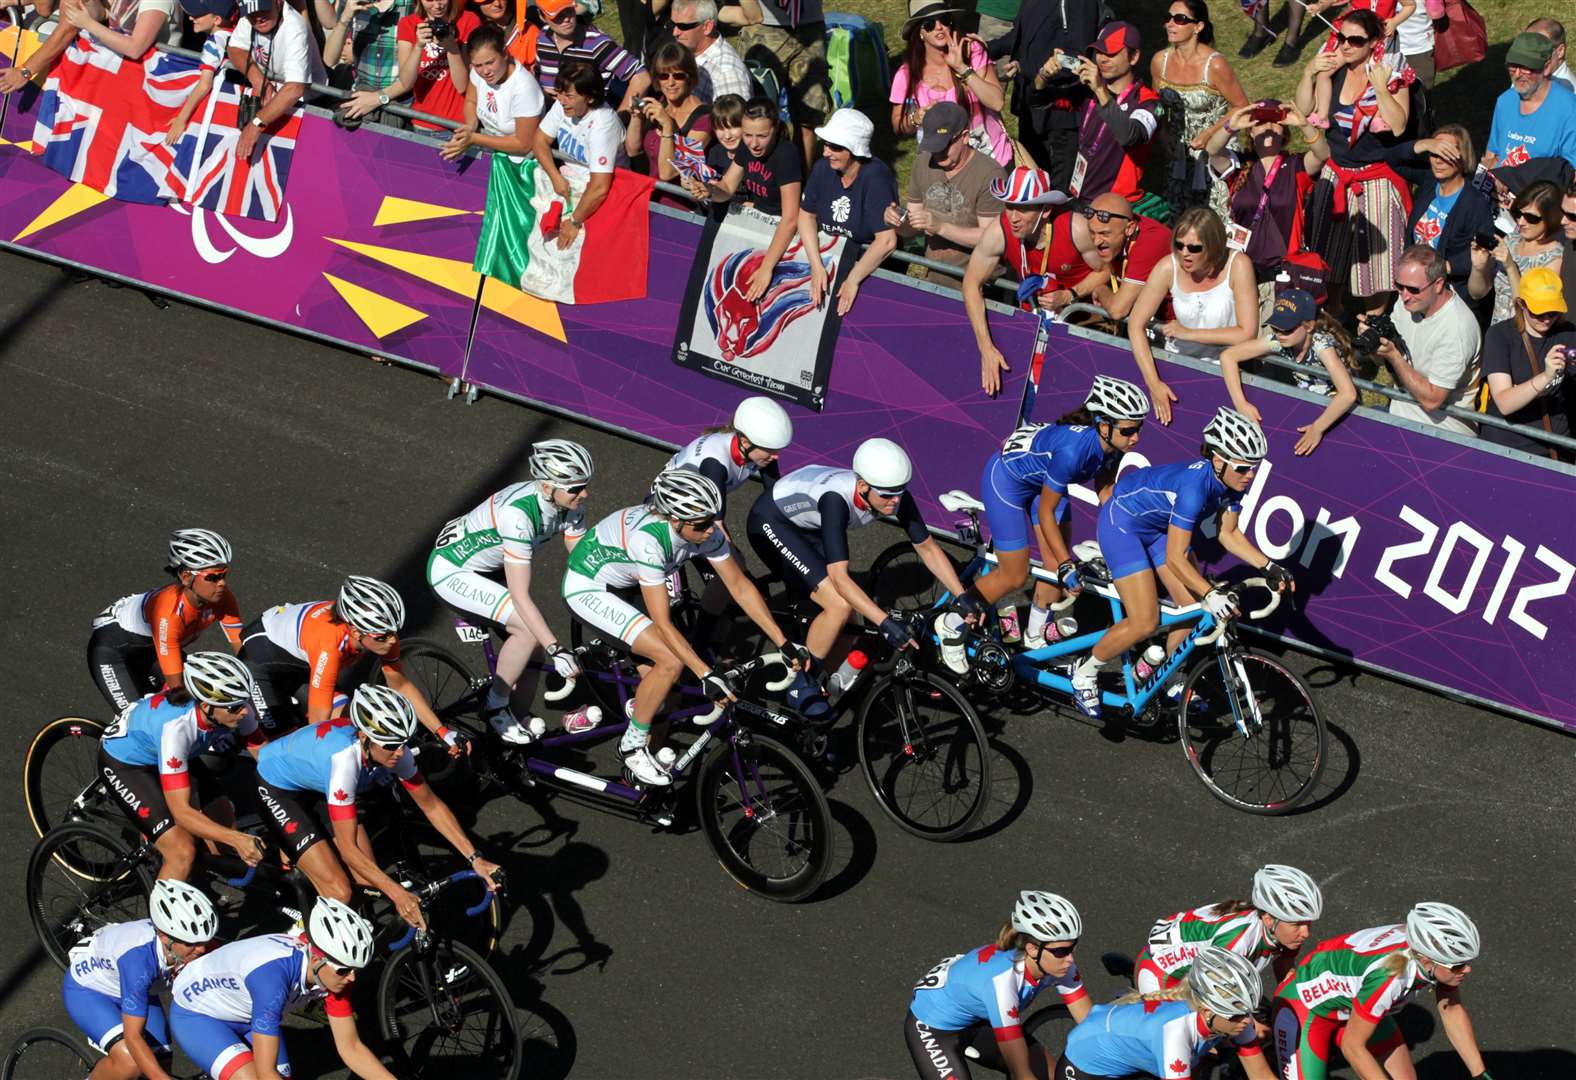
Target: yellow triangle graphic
[458, 278]
[74, 200]
[381, 315]
[396, 211]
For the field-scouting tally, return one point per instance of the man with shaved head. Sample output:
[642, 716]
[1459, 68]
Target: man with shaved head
[1129, 244]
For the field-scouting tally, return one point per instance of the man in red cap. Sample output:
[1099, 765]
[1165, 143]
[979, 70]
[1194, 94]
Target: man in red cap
[1115, 129]
[1049, 250]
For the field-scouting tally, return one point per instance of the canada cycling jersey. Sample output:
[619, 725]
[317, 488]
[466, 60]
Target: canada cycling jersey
[1034, 457]
[987, 984]
[1370, 972]
[172, 621]
[155, 732]
[508, 527]
[309, 633]
[637, 546]
[326, 759]
[254, 981]
[821, 500]
[122, 961]
[717, 457]
[1175, 940]
[1164, 1039]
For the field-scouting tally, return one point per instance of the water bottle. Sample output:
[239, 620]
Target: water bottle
[1147, 664]
[846, 675]
[1007, 618]
[1061, 628]
[582, 719]
[666, 757]
[537, 727]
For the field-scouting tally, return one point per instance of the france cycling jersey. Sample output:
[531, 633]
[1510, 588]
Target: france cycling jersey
[155, 732]
[1146, 503]
[116, 972]
[1035, 457]
[326, 759]
[1164, 1039]
[988, 985]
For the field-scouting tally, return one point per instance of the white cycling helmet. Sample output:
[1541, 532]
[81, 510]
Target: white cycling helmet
[339, 933]
[182, 911]
[1116, 399]
[883, 465]
[382, 714]
[1234, 436]
[561, 463]
[1442, 933]
[1044, 916]
[217, 678]
[198, 549]
[685, 495]
[1287, 893]
[1224, 983]
[371, 606]
[764, 422]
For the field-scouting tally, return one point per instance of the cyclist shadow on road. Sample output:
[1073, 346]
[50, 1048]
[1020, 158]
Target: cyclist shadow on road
[1538, 1063]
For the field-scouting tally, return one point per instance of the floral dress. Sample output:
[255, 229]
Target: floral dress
[1504, 302]
[1202, 108]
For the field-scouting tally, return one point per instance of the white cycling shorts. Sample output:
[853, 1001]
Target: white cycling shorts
[470, 591]
[592, 603]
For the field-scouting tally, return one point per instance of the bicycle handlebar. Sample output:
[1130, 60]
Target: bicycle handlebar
[1253, 582]
[456, 877]
[771, 659]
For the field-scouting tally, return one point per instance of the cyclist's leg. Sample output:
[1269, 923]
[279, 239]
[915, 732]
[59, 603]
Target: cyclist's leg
[1389, 1048]
[140, 796]
[276, 675]
[1007, 508]
[1180, 595]
[1303, 1042]
[1133, 572]
[219, 1048]
[1046, 594]
[937, 1055]
[477, 594]
[123, 665]
[289, 818]
[796, 556]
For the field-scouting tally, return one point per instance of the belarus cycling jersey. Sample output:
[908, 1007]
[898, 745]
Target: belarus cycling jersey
[156, 732]
[1362, 972]
[820, 499]
[637, 546]
[122, 961]
[172, 621]
[309, 633]
[508, 527]
[1175, 940]
[326, 759]
[1164, 1039]
[254, 981]
[987, 984]
[717, 457]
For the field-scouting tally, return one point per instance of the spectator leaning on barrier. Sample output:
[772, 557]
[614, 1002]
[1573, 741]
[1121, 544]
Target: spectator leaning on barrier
[673, 113]
[589, 133]
[1049, 249]
[941, 65]
[1524, 361]
[764, 173]
[1449, 209]
[1046, 97]
[215, 46]
[1117, 124]
[949, 196]
[1538, 241]
[848, 193]
[503, 108]
[1435, 360]
[363, 37]
[727, 131]
[274, 51]
[566, 37]
[796, 34]
[695, 27]
[151, 24]
[432, 69]
[1536, 117]
[1130, 244]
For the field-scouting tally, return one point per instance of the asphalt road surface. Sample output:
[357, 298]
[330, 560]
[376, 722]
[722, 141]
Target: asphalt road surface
[630, 948]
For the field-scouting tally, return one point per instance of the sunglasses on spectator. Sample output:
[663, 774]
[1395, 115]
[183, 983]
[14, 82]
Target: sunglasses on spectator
[938, 20]
[1181, 18]
[687, 25]
[1411, 290]
[1192, 249]
[1529, 217]
[1570, 215]
[1061, 952]
[1356, 41]
[567, 14]
[1105, 216]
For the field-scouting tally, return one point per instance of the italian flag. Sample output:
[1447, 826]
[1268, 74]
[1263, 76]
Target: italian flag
[519, 235]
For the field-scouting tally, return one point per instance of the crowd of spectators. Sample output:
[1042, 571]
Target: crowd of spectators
[1350, 231]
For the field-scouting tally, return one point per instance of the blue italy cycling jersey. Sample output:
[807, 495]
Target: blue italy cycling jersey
[1053, 455]
[984, 985]
[1149, 501]
[121, 961]
[1164, 1039]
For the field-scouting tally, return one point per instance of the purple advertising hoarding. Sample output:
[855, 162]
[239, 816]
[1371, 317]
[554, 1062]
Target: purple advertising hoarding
[1429, 557]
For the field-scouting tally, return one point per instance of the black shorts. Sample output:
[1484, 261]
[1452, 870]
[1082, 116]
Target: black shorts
[290, 817]
[787, 550]
[938, 1054]
[1066, 1070]
[280, 679]
[138, 793]
[123, 665]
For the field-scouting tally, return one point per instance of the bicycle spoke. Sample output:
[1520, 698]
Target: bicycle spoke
[924, 759]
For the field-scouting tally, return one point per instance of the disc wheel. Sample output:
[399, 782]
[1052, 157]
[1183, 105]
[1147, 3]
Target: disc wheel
[448, 1014]
[66, 906]
[60, 777]
[923, 752]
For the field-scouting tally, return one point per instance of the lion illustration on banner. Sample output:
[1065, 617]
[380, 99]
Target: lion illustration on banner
[745, 328]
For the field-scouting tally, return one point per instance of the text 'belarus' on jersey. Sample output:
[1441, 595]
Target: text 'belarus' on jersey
[1370, 972]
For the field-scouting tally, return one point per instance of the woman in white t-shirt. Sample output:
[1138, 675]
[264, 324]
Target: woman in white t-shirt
[503, 103]
[588, 132]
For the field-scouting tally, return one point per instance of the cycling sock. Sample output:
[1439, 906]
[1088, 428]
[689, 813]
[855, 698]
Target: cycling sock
[1037, 619]
[498, 693]
[635, 737]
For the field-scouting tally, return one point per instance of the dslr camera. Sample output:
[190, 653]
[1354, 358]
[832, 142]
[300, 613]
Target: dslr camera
[441, 28]
[1379, 328]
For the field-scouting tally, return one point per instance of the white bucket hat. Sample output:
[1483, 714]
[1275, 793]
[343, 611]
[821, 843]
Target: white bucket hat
[850, 129]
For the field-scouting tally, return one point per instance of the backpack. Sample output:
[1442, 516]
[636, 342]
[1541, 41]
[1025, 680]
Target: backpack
[770, 78]
[856, 60]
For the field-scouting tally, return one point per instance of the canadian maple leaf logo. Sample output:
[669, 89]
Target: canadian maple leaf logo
[290, 828]
[340, 795]
[142, 811]
[174, 762]
[1012, 1013]
[1178, 1066]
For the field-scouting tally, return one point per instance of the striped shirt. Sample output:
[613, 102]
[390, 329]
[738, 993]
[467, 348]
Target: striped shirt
[618, 67]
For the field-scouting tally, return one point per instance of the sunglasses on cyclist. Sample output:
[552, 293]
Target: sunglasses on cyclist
[1356, 41]
[898, 494]
[1181, 18]
[573, 489]
[1243, 468]
[380, 638]
[1191, 249]
[1130, 429]
[338, 969]
[701, 525]
[1061, 952]
[1104, 216]
[215, 575]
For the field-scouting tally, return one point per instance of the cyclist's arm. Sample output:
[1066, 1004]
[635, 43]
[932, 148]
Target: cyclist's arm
[1080, 1008]
[1237, 543]
[137, 1046]
[363, 867]
[200, 824]
[1254, 1064]
[658, 608]
[1178, 541]
[442, 818]
[517, 575]
[399, 681]
[265, 1056]
[137, 977]
[1015, 1054]
[1457, 1022]
[1354, 1047]
[352, 1051]
[848, 589]
[320, 689]
[749, 599]
[939, 564]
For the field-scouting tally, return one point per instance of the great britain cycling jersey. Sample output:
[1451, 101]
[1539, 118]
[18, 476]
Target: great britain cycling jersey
[1164, 1039]
[219, 1001]
[141, 637]
[717, 457]
[1146, 503]
[507, 528]
[326, 759]
[301, 645]
[1175, 940]
[801, 525]
[117, 972]
[633, 547]
[1033, 458]
[988, 985]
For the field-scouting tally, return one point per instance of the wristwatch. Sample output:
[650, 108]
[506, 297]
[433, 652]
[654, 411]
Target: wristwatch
[257, 122]
[26, 74]
[383, 99]
[967, 73]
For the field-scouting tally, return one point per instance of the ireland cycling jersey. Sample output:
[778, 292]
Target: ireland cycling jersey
[326, 759]
[122, 961]
[1370, 972]
[508, 527]
[1164, 1039]
[1054, 455]
[716, 456]
[254, 981]
[636, 546]
[1175, 940]
[1147, 502]
[156, 732]
[984, 985]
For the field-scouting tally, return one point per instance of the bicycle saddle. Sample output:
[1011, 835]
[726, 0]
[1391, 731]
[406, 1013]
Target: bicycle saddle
[954, 501]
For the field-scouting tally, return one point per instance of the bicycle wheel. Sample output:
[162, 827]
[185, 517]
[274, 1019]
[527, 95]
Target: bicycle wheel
[453, 693]
[44, 1053]
[65, 906]
[449, 1013]
[765, 817]
[60, 777]
[923, 752]
[427, 856]
[900, 579]
[1272, 768]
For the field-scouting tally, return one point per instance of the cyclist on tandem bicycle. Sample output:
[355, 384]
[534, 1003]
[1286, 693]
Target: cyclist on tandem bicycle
[504, 533]
[138, 641]
[227, 1006]
[1146, 530]
[332, 763]
[146, 760]
[111, 985]
[642, 546]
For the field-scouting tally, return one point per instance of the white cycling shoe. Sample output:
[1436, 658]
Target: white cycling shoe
[513, 731]
[950, 631]
[644, 767]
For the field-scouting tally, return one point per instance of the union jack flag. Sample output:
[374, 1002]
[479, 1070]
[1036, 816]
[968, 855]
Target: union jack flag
[206, 173]
[689, 158]
[102, 118]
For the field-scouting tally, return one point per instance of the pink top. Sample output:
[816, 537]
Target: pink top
[985, 122]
